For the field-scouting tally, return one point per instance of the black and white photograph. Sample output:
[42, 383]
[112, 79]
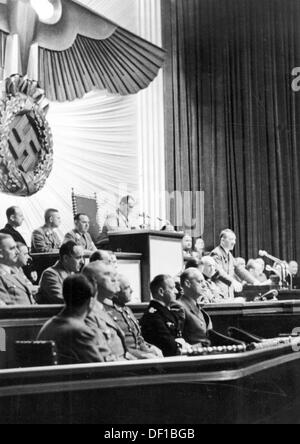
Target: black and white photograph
[149, 214]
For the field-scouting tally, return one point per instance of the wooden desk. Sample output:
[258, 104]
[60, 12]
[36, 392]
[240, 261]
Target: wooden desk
[264, 319]
[254, 387]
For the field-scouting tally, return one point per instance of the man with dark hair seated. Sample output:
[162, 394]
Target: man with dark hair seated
[14, 287]
[197, 323]
[161, 326]
[80, 235]
[70, 261]
[45, 239]
[117, 308]
[15, 219]
[75, 342]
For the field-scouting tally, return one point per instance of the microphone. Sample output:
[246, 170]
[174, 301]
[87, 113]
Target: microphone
[263, 253]
[272, 294]
[269, 296]
[269, 269]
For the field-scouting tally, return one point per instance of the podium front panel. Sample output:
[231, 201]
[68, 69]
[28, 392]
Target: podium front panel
[166, 256]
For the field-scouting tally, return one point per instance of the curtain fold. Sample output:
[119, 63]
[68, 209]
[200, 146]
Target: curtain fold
[232, 120]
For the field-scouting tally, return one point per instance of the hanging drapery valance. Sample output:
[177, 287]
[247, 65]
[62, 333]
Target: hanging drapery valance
[122, 64]
[76, 51]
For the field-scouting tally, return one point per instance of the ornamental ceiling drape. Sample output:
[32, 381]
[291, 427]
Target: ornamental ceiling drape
[95, 144]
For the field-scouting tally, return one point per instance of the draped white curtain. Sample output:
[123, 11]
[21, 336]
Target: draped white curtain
[96, 142]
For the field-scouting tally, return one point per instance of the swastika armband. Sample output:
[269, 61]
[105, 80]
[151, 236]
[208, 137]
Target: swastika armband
[26, 146]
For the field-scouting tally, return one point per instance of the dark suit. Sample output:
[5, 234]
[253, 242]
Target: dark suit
[197, 323]
[45, 240]
[227, 269]
[135, 343]
[83, 240]
[17, 237]
[161, 327]
[113, 339]
[15, 289]
[75, 342]
[51, 285]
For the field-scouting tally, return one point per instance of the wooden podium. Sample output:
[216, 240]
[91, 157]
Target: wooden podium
[162, 253]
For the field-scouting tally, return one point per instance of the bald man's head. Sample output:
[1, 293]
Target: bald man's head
[124, 296]
[193, 283]
[105, 277]
[209, 266]
[293, 267]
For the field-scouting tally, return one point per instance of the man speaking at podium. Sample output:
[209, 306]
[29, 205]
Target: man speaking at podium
[123, 219]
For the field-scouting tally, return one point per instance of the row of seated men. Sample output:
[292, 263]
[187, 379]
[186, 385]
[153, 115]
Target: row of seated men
[96, 325]
[46, 240]
[16, 289]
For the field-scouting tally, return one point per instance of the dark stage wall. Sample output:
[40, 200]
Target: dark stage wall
[232, 118]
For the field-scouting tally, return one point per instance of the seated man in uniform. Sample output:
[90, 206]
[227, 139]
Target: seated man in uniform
[45, 239]
[209, 271]
[51, 285]
[254, 267]
[197, 323]
[122, 219]
[15, 289]
[106, 279]
[126, 320]
[22, 264]
[161, 326]
[228, 268]
[75, 342]
[80, 235]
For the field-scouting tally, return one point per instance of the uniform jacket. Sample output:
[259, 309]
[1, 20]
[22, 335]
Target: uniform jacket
[15, 289]
[197, 322]
[161, 327]
[51, 285]
[75, 342]
[83, 240]
[17, 237]
[135, 343]
[227, 269]
[113, 346]
[45, 240]
[118, 222]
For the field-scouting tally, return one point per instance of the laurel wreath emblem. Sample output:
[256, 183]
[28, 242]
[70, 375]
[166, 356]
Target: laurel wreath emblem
[23, 96]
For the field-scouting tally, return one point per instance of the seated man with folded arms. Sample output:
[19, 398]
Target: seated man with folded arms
[161, 326]
[106, 279]
[70, 261]
[45, 239]
[15, 289]
[126, 320]
[197, 322]
[75, 342]
[80, 234]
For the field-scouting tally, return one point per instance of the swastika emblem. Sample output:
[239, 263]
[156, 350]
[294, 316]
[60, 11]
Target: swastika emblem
[23, 142]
